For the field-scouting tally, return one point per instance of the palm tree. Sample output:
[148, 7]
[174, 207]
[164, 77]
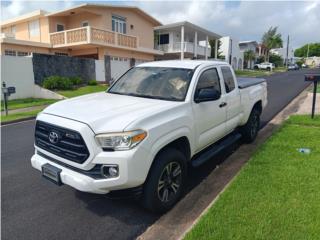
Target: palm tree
[271, 39]
[249, 55]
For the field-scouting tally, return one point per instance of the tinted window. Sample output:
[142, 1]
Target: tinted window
[164, 39]
[154, 82]
[228, 78]
[209, 79]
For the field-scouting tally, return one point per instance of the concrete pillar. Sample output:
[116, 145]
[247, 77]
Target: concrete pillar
[195, 44]
[107, 68]
[216, 48]
[206, 50]
[182, 43]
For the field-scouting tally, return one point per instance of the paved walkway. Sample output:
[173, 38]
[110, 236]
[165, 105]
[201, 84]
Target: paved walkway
[306, 106]
[28, 109]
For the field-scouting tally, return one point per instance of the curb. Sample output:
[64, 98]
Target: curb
[18, 120]
[179, 221]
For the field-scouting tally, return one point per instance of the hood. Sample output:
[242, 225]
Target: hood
[105, 112]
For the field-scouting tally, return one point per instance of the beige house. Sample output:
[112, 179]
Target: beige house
[87, 30]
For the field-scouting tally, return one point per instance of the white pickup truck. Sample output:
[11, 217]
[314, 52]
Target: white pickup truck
[144, 130]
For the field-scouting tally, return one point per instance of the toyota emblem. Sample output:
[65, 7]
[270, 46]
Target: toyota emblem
[53, 137]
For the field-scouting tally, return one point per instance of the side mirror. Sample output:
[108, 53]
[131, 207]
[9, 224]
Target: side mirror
[206, 94]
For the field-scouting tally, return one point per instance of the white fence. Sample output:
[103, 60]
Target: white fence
[18, 72]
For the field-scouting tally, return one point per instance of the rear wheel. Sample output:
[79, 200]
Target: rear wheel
[165, 182]
[268, 69]
[250, 130]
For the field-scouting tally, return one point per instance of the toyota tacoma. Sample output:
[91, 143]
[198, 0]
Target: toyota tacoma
[146, 128]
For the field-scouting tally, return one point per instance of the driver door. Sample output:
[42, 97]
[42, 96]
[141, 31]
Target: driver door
[210, 116]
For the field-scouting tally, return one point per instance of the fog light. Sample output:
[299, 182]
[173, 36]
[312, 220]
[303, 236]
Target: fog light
[110, 171]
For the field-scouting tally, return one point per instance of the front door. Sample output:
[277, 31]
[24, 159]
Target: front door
[210, 116]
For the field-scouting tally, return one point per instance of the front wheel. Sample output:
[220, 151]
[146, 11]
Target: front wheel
[165, 182]
[250, 130]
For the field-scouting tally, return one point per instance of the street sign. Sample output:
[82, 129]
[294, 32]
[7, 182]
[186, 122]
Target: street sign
[315, 78]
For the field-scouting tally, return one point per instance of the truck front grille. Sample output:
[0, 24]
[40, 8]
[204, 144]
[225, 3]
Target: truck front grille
[60, 141]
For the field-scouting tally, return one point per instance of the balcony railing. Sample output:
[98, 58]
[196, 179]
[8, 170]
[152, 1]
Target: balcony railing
[92, 35]
[187, 47]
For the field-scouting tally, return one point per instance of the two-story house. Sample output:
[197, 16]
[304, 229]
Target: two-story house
[184, 40]
[88, 30]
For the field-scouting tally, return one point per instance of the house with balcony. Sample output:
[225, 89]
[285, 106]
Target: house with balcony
[124, 33]
[184, 40]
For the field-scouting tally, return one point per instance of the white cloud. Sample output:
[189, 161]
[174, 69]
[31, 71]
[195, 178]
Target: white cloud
[243, 20]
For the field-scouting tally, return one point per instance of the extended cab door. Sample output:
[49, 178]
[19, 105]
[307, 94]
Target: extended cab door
[210, 116]
[232, 98]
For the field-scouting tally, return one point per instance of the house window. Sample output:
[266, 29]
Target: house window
[60, 54]
[119, 24]
[164, 39]
[9, 52]
[13, 30]
[85, 24]
[34, 28]
[60, 27]
[23, 54]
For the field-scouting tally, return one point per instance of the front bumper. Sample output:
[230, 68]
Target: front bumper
[126, 179]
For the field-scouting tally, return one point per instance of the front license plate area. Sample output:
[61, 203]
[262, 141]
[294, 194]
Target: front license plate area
[51, 173]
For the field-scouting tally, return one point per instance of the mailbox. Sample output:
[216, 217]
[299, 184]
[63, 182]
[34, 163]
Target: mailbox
[11, 90]
[312, 77]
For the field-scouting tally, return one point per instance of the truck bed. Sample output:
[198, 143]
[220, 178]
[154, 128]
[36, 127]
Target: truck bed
[244, 82]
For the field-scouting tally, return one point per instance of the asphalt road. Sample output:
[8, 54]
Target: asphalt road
[34, 208]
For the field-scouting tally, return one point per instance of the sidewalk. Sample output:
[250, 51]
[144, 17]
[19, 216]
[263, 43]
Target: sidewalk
[306, 106]
[21, 110]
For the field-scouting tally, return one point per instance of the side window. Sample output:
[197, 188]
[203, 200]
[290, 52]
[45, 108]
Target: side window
[209, 79]
[228, 79]
[60, 27]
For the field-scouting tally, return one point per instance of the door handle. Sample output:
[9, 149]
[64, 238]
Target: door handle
[223, 104]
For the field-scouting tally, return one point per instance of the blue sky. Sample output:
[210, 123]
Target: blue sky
[246, 20]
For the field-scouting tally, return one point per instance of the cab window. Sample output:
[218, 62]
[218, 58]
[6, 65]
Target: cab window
[228, 79]
[209, 79]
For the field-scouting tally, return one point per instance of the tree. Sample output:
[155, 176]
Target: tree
[271, 39]
[213, 47]
[248, 56]
[314, 50]
[276, 59]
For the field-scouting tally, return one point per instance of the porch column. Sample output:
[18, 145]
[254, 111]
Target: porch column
[206, 50]
[182, 43]
[195, 45]
[216, 49]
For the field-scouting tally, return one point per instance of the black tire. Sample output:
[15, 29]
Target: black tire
[250, 130]
[256, 67]
[268, 69]
[154, 197]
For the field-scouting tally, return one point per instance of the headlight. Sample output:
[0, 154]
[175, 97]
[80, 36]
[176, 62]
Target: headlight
[121, 141]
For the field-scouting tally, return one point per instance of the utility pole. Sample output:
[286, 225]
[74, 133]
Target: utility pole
[308, 51]
[287, 51]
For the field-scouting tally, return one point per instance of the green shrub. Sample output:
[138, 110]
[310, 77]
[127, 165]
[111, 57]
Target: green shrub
[57, 82]
[92, 82]
[76, 80]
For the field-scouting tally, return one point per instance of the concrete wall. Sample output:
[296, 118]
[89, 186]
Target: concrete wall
[230, 47]
[18, 72]
[49, 65]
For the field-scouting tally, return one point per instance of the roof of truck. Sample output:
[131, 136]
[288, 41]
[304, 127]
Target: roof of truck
[190, 64]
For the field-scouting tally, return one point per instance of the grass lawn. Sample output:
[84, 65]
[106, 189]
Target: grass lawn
[252, 73]
[276, 194]
[26, 102]
[83, 90]
[21, 115]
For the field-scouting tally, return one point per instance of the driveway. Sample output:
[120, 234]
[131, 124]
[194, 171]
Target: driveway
[33, 208]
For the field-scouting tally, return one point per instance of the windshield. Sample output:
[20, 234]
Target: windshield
[154, 82]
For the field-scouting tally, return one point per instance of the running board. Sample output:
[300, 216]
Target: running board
[214, 149]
